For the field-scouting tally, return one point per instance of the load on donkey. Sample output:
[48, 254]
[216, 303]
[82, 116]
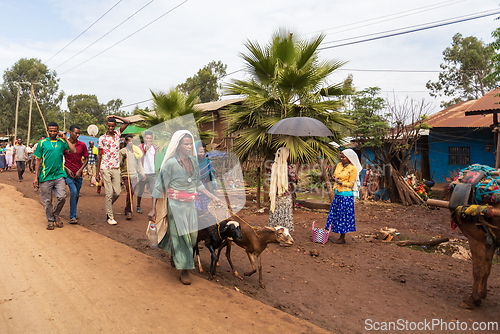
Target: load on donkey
[475, 209]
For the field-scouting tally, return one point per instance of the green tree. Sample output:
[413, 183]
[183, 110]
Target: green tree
[495, 57]
[46, 90]
[166, 107]
[466, 71]
[287, 79]
[206, 82]
[369, 116]
[85, 109]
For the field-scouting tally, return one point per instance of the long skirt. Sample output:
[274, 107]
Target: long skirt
[180, 237]
[341, 215]
[283, 213]
[3, 163]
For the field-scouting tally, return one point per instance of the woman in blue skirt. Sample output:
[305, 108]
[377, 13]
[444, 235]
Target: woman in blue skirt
[341, 215]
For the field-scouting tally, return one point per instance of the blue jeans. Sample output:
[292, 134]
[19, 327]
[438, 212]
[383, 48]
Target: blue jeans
[74, 184]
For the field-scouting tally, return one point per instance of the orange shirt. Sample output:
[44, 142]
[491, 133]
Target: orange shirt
[346, 175]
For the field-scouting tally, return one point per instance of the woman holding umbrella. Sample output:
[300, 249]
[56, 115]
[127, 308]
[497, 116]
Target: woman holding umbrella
[341, 214]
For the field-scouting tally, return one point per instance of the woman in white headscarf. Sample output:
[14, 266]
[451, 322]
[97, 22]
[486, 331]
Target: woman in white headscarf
[173, 202]
[341, 215]
[280, 190]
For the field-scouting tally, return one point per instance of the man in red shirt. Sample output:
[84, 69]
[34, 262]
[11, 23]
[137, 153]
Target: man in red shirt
[74, 163]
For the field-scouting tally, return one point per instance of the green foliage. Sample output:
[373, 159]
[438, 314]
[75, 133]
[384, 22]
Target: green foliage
[369, 115]
[170, 105]
[85, 109]
[46, 90]
[467, 71]
[287, 80]
[495, 58]
[205, 82]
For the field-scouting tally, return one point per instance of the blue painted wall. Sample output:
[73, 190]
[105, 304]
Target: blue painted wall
[441, 139]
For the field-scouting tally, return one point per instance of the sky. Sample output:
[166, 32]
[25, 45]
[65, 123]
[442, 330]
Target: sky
[144, 45]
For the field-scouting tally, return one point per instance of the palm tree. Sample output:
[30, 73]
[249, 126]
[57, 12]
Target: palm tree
[172, 112]
[287, 79]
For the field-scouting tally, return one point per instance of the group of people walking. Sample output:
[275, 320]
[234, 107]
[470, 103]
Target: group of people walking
[180, 191]
[15, 154]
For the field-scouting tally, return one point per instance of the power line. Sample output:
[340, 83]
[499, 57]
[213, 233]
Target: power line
[415, 10]
[132, 34]
[143, 101]
[74, 39]
[106, 34]
[405, 32]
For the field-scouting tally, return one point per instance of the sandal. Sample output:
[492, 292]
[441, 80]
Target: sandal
[58, 223]
[73, 221]
[50, 226]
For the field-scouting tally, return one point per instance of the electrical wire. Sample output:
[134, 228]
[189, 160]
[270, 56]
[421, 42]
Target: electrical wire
[106, 34]
[132, 34]
[74, 39]
[424, 9]
[405, 32]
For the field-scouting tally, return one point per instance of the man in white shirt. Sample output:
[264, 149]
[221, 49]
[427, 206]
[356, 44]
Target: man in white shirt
[149, 151]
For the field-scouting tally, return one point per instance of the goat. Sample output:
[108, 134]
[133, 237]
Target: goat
[254, 242]
[214, 236]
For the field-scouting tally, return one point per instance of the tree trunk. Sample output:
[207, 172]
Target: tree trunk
[258, 187]
[266, 180]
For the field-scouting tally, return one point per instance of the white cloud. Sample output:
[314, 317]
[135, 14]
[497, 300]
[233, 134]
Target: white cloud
[175, 47]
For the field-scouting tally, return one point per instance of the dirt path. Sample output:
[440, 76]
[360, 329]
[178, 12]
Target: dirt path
[340, 290]
[73, 280]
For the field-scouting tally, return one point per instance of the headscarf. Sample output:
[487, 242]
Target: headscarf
[161, 203]
[353, 158]
[279, 176]
[205, 166]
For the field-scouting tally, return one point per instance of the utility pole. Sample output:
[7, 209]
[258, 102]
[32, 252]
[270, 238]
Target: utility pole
[29, 117]
[17, 107]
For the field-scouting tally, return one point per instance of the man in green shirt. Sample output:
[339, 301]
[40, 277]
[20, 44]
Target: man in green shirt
[50, 174]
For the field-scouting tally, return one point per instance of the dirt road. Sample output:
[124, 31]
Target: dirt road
[73, 280]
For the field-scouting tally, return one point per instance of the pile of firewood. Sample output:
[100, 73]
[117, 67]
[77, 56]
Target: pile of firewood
[406, 193]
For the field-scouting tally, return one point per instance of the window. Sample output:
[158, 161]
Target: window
[459, 156]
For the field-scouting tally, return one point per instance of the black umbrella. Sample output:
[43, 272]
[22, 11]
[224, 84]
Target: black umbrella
[300, 126]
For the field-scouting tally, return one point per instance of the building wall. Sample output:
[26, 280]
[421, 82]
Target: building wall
[441, 139]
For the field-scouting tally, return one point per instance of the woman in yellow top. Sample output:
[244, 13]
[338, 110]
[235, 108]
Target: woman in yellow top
[341, 214]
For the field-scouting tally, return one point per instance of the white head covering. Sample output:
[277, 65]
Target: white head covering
[353, 158]
[174, 143]
[279, 175]
[161, 203]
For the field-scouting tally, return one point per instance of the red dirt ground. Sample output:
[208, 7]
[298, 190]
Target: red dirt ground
[346, 287]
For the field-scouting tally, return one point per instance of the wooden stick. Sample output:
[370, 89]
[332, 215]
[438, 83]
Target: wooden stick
[429, 243]
[445, 204]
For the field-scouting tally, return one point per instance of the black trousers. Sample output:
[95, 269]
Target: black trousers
[21, 166]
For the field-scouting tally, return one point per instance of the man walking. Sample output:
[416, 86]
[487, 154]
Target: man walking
[108, 163]
[20, 157]
[131, 171]
[92, 152]
[50, 177]
[74, 166]
[149, 151]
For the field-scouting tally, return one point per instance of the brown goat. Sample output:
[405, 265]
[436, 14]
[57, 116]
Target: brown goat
[254, 242]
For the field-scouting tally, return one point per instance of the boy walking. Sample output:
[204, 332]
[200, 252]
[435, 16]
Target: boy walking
[50, 177]
[74, 166]
[108, 163]
[131, 171]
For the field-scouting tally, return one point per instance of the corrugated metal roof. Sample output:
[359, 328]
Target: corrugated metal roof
[454, 117]
[488, 103]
